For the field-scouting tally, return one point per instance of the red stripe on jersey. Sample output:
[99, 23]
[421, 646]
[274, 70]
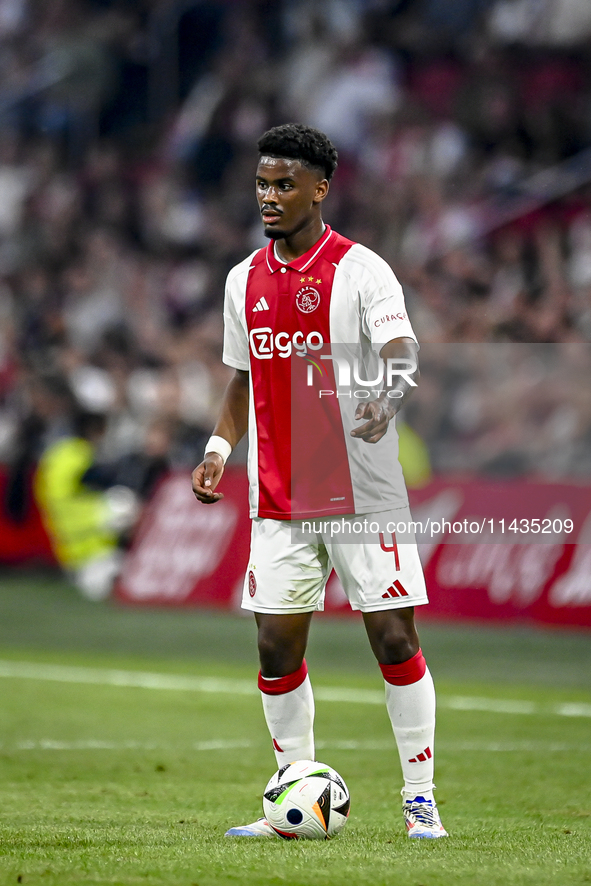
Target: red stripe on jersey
[303, 468]
[407, 672]
[284, 684]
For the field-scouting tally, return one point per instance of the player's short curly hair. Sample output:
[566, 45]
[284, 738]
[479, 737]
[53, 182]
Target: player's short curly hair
[298, 142]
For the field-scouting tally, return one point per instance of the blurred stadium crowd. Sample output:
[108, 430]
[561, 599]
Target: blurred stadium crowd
[127, 131]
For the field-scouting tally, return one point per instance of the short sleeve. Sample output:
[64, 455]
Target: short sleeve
[383, 310]
[235, 337]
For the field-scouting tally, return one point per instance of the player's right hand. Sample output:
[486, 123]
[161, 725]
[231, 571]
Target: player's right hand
[206, 477]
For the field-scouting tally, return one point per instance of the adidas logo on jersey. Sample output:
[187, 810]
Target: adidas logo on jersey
[261, 305]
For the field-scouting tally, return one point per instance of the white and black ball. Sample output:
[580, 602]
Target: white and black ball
[306, 800]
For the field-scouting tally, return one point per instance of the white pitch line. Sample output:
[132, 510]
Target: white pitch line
[574, 709]
[490, 705]
[360, 696]
[92, 744]
[221, 744]
[220, 685]
[127, 679]
[540, 747]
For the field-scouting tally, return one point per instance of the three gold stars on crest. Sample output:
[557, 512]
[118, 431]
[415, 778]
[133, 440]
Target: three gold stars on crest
[310, 280]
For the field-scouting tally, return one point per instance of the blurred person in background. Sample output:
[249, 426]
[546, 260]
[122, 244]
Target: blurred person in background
[413, 455]
[84, 524]
[47, 411]
[142, 469]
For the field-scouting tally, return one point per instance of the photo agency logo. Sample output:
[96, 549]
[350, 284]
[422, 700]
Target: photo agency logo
[350, 374]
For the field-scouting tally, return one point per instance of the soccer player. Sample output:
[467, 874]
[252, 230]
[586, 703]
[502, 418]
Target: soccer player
[312, 290]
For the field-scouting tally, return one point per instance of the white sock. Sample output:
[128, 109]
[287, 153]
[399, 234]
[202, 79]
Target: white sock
[410, 699]
[288, 703]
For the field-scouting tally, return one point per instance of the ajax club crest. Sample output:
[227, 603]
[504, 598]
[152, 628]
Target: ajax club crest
[307, 299]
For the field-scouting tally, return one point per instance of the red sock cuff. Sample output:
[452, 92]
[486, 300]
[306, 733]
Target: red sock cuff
[284, 684]
[406, 672]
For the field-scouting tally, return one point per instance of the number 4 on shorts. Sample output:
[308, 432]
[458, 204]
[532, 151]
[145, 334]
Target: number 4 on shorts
[391, 548]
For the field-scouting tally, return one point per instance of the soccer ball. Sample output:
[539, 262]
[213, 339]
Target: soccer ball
[306, 800]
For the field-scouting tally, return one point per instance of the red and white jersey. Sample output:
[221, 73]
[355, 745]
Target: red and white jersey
[302, 461]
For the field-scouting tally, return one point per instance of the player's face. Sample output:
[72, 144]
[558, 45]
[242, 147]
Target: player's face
[289, 195]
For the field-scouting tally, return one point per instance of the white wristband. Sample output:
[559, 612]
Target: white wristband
[220, 446]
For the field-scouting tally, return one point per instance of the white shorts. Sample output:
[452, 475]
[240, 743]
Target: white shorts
[284, 575]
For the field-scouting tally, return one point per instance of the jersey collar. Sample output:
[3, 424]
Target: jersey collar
[302, 263]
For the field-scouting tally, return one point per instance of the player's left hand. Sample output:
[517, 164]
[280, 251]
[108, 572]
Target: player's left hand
[379, 413]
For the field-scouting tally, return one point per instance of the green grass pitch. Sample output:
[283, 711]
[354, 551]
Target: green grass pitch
[112, 776]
